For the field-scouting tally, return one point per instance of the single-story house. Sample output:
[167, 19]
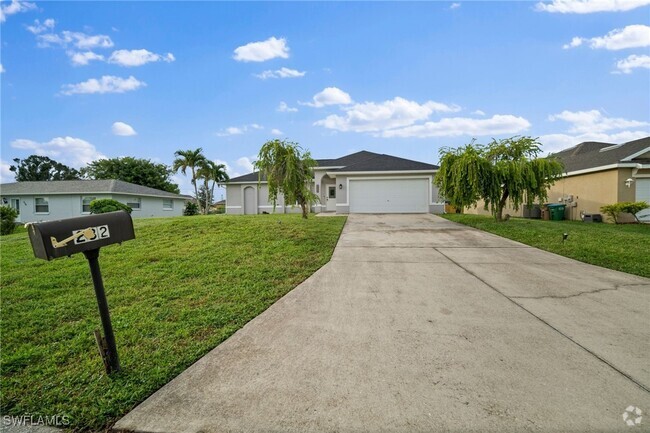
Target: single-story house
[598, 174]
[52, 200]
[362, 182]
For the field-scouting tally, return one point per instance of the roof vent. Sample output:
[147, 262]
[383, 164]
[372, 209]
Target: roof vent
[616, 146]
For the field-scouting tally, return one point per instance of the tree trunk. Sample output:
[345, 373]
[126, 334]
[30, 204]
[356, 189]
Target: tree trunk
[305, 211]
[196, 190]
[207, 197]
[502, 204]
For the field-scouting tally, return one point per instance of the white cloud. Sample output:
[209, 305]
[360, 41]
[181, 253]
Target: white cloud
[229, 170]
[6, 175]
[13, 8]
[575, 42]
[80, 40]
[284, 108]
[37, 27]
[457, 126]
[590, 122]
[106, 84]
[632, 62]
[83, 58]
[632, 36]
[589, 6]
[329, 96]
[123, 129]
[454, 6]
[479, 112]
[2, 69]
[238, 130]
[232, 130]
[372, 116]
[281, 73]
[246, 163]
[552, 143]
[130, 58]
[68, 150]
[276, 131]
[262, 51]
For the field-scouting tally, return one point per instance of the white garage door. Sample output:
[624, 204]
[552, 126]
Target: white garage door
[389, 195]
[643, 194]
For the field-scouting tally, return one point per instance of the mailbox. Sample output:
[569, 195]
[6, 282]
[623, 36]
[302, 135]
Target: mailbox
[60, 238]
[86, 234]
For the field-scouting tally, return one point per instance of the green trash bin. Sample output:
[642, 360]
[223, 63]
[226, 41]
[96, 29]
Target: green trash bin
[557, 211]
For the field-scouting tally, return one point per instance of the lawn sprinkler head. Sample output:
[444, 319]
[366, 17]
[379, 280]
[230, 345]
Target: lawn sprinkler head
[565, 236]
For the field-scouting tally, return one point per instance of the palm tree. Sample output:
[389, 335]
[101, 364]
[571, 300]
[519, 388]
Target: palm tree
[189, 159]
[211, 171]
[218, 175]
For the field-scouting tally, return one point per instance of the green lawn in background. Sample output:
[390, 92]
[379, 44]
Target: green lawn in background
[624, 247]
[179, 289]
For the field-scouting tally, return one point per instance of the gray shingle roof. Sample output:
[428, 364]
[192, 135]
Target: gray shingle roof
[112, 186]
[359, 161]
[387, 163]
[591, 154]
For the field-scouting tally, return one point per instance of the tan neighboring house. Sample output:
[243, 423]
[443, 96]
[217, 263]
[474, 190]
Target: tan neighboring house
[597, 174]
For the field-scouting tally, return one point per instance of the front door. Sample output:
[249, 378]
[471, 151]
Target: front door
[331, 198]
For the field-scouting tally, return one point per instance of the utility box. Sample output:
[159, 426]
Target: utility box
[60, 238]
[592, 218]
[532, 211]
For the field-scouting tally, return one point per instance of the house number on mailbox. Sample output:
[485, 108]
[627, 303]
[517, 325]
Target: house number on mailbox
[99, 232]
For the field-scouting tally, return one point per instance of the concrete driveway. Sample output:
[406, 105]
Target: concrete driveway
[418, 325]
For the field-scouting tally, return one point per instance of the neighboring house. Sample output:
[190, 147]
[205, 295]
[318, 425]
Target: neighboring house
[51, 200]
[363, 182]
[598, 174]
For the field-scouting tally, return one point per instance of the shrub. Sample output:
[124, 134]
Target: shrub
[614, 210]
[191, 208]
[8, 217]
[107, 205]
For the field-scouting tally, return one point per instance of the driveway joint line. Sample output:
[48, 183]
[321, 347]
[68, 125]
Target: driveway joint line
[586, 292]
[592, 353]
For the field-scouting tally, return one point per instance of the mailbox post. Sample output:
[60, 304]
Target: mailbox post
[87, 234]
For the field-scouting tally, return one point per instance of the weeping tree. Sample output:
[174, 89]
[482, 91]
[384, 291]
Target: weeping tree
[507, 171]
[289, 171]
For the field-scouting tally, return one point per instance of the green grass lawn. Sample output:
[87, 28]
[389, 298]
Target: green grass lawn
[621, 247]
[177, 291]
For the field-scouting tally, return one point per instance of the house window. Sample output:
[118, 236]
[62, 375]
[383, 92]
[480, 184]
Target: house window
[41, 205]
[331, 192]
[168, 204]
[134, 203]
[85, 204]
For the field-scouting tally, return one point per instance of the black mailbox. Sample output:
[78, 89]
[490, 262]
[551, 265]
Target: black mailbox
[60, 238]
[86, 234]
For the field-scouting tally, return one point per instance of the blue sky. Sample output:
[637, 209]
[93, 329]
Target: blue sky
[82, 80]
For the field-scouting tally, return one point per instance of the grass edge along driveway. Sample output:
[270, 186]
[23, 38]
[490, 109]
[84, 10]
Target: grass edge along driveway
[620, 247]
[179, 289]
